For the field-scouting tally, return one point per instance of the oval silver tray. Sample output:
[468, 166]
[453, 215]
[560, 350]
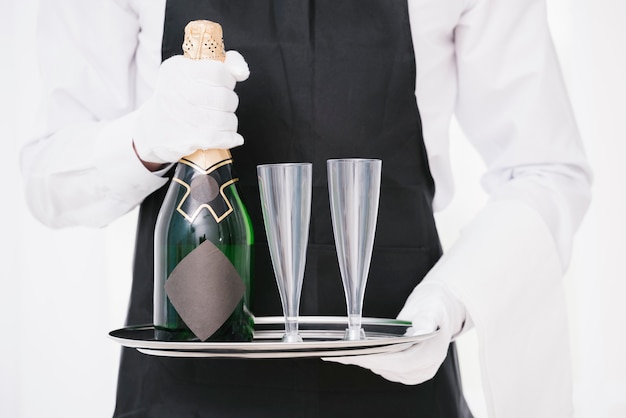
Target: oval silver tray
[322, 337]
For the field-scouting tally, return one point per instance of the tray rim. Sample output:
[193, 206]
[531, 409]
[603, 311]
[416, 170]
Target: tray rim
[264, 348]
[391, 348]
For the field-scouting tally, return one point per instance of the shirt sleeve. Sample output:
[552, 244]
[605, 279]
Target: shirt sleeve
[513, 105]
[81, 169]
[507, 264]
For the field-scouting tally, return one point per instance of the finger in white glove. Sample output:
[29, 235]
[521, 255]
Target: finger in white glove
[429, 306]
[193, 107]
[237, 65]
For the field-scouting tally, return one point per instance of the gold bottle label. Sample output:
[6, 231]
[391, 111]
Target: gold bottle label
[206, 188]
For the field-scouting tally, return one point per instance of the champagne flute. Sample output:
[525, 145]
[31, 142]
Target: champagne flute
[354, 191]
[286, 204]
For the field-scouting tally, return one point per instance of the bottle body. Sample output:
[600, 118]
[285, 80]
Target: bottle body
[202, 204]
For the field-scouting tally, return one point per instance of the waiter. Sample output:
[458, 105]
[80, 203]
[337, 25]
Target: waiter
[334, 79]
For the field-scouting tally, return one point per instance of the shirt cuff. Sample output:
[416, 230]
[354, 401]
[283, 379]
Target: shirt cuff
[124, 177]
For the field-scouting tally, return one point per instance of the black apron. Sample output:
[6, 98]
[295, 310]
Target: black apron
[329, 79]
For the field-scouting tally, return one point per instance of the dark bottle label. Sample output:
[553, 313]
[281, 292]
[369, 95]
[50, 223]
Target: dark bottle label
[205, 288]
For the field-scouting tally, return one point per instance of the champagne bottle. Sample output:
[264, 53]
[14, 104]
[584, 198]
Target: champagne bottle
[203, 237]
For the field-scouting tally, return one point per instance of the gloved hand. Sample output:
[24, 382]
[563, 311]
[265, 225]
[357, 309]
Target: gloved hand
[429, 306]
[193, 107]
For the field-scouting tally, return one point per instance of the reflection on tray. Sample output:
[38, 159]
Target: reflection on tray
[336, 323]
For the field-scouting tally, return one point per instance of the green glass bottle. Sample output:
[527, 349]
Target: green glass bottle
[203, 249]
[202, 204]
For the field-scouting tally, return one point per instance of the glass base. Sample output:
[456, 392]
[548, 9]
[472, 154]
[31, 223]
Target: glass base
[292, 338]
[354, 334]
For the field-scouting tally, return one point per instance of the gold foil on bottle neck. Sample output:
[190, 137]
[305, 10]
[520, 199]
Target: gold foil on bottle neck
[204, 40]
[204, 160]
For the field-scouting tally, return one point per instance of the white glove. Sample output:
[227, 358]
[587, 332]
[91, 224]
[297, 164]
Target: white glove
[429, 306]
[193, 107]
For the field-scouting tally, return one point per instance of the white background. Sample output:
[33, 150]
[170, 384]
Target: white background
[62, 291]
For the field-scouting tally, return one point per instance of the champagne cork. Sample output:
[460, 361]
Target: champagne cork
[204, 40]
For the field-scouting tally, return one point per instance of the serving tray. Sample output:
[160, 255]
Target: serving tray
[322, 337]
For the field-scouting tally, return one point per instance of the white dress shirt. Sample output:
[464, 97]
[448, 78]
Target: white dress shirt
[490, 63]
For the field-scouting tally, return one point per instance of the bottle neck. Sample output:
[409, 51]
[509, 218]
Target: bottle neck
[215, 163]
[203, 160]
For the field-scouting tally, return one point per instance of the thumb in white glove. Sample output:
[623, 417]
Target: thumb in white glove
[429, 306]
[193, 107]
